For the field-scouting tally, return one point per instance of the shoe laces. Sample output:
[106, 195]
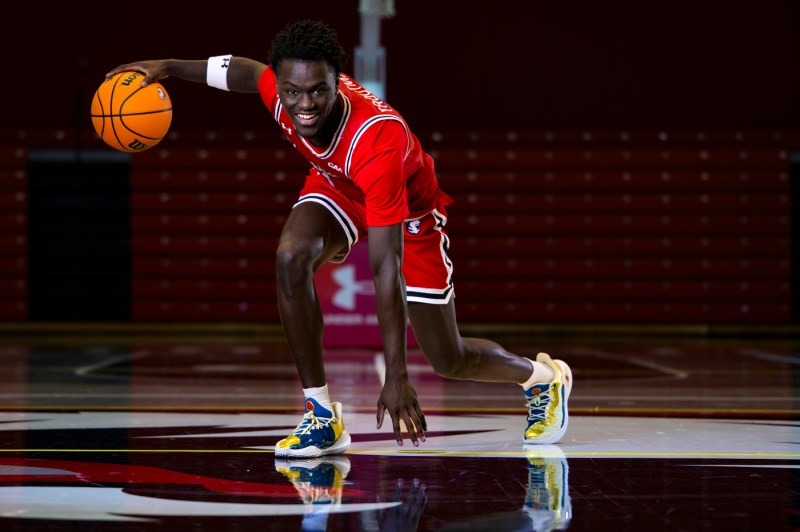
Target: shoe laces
[537, 405]
[538, 492]
[312, 422]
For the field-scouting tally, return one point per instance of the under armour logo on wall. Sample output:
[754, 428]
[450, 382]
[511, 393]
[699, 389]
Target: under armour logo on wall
[349, 287]
[412, 226]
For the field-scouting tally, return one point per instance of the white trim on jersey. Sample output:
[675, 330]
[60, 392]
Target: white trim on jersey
[363, 129]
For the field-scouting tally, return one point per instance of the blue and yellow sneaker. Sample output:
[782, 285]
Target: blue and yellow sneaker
[320, 433]
[548, 416]
[318, 481]
[547, 501]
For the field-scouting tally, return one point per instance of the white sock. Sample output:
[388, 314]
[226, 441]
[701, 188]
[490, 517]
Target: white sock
[320, 395]
[542, 373]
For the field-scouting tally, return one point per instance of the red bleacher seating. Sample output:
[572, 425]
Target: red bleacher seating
[619, 181]
[581, 226]
[13, 234]
[205, 226]
[566, 226]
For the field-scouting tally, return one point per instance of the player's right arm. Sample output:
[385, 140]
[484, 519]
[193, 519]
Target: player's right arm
[242, 74]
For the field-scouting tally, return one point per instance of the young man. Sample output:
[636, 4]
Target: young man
[370, 178]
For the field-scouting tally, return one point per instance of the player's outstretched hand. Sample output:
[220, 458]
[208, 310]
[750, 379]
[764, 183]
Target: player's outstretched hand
[399, 398]
[152, 70]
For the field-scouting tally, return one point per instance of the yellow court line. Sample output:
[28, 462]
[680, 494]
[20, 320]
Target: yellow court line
[440, 452]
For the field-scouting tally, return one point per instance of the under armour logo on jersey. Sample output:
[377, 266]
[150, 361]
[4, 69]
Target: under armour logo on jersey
[286, 128]
[412, 226]
[345, 297]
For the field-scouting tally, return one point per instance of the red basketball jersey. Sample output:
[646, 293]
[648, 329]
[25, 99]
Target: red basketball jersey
[373, 158]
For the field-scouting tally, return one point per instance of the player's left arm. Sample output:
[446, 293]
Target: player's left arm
[241, 75]
[378, 169]
[398, 396]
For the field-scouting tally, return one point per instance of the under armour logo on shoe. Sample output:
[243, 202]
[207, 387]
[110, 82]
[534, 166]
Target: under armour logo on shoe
[412, 226]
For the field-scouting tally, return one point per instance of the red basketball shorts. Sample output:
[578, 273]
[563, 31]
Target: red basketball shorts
[426, 267]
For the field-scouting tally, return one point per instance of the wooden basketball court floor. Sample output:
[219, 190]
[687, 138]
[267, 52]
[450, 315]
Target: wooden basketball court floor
[669, 434]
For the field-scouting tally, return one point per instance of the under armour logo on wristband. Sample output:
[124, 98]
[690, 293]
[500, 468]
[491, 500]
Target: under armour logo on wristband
[217, 71]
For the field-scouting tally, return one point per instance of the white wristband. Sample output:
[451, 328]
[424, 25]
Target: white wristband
[217, 71]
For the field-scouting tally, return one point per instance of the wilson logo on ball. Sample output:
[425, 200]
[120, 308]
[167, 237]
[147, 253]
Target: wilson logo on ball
[127, 81]
[138, 145]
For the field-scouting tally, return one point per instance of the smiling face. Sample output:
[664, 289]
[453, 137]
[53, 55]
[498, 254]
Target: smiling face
[307, 90]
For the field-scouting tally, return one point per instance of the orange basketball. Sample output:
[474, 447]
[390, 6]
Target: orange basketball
[129, 117]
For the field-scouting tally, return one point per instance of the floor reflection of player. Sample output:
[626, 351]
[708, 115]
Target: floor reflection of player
[319, 484]
[402, 518]
[547, 505]
[547, 501]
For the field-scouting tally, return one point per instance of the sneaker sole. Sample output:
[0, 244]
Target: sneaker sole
[339, 462]
[341, 445]
[567, 378]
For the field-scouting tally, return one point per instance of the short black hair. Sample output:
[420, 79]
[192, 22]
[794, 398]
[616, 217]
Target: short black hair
[308, 40]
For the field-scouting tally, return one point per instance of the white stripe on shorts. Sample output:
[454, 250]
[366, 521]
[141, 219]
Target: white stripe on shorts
[436, 296]
[349, 228]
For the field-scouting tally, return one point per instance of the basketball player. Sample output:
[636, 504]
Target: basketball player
[369, 178]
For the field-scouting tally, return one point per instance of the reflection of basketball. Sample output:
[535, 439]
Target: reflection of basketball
[129, 117]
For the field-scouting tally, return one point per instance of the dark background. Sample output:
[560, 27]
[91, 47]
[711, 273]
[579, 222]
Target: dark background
[470, 64]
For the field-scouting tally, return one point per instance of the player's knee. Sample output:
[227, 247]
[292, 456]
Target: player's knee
[450, 367]
[293, 265]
